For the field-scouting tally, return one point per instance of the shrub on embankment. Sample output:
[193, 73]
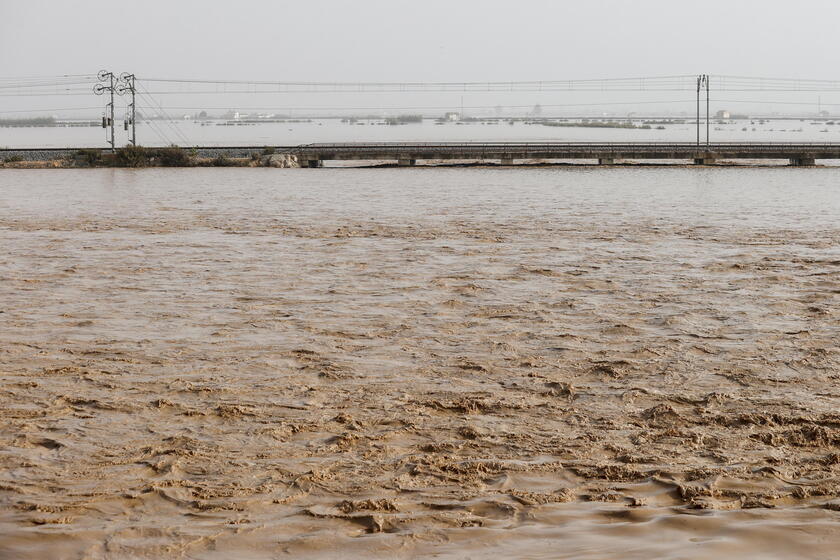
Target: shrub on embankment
[138, 156]
[173, 156]
[223, 161]
[89, 157]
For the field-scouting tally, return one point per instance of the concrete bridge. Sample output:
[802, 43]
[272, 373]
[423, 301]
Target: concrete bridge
[506, 153]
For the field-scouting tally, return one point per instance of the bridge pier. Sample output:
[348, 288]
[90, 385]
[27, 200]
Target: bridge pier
[803, 161]
[606, 161]
[704, 161]
[312, 163]
[406, 162]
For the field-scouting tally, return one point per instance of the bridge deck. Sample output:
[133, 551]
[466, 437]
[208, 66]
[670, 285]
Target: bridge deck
[567, 150]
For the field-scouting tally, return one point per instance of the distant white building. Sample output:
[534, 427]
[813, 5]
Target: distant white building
[723, 115]
[452, 116]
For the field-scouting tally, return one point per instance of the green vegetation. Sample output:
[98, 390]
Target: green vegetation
[132, 156]
[13, 159]
[172, 156]
[268, 151]
[222, 160]
[138, 156]
[89, 156]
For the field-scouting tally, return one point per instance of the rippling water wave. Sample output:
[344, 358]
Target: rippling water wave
[542, 363]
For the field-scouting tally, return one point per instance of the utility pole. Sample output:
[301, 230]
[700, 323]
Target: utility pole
[699, 80]
[108, 119]
[706, 77]
[127, 86]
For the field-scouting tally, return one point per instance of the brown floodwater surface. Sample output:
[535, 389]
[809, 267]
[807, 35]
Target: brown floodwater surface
[530, 363]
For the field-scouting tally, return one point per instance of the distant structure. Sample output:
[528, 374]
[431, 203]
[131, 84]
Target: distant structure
[724, 115]
[452, 116]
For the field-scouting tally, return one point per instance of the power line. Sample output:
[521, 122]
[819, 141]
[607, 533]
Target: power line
[143, 93]
[429, 107]
[42, 84]
[757, 102]
[505, 83]
[660, 83]
[647, 83]
[68, 92]
[156, 129]
[56, 76]
[49, 110]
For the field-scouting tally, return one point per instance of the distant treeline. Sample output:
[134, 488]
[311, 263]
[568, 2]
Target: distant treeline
[598, 124]
[404, 119]
[37, 121]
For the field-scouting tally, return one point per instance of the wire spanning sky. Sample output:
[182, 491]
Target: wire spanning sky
[402, 42]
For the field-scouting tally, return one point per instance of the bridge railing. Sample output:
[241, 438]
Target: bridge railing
[369, 146]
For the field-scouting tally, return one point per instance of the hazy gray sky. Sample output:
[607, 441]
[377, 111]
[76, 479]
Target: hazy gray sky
[422, 39]
[400, 40]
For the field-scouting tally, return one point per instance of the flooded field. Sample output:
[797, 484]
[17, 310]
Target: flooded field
[305, 131]
[532, 363]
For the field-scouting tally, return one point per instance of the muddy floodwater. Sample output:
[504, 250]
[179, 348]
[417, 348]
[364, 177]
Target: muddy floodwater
[395, 363]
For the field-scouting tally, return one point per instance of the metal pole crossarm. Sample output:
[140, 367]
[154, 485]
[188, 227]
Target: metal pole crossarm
[107, 77]
[129, 86]
[707, 109]
[699, 80]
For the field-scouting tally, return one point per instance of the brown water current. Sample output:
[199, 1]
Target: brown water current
[396, 363]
